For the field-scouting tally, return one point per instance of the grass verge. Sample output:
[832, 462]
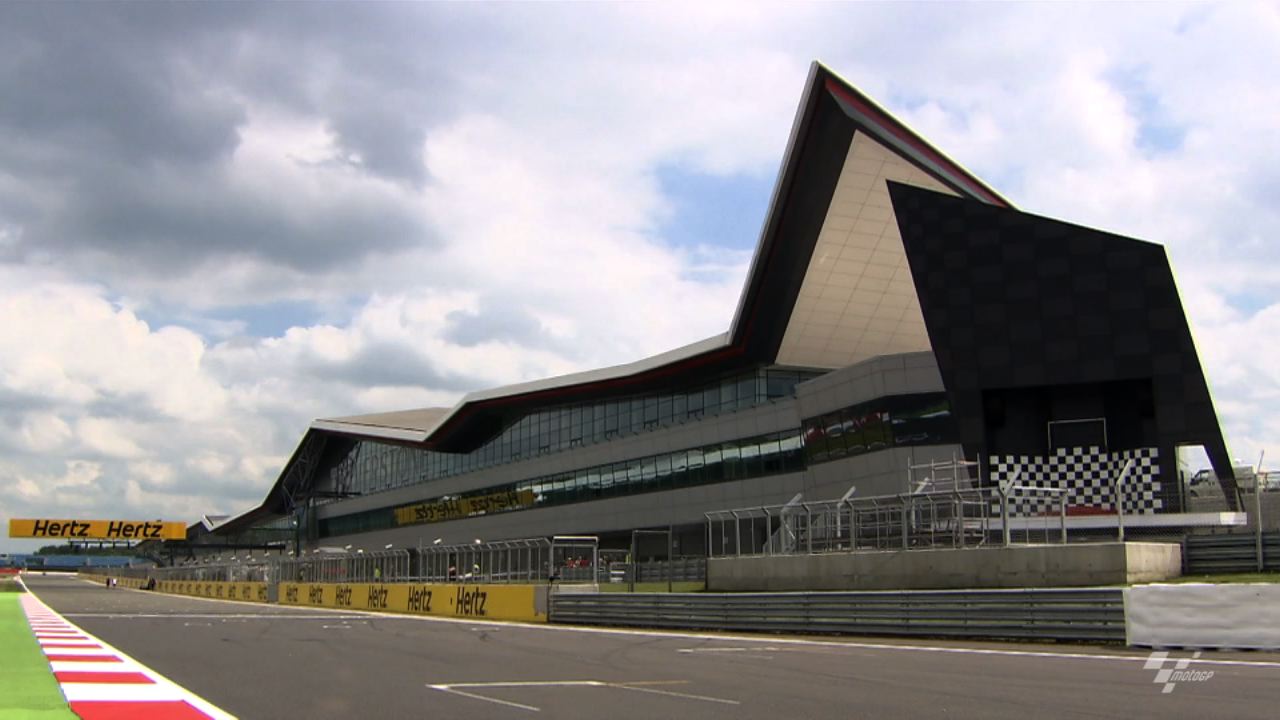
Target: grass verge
[27, 687]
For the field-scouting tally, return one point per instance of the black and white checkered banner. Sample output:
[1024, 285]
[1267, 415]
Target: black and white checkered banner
[1087, 474]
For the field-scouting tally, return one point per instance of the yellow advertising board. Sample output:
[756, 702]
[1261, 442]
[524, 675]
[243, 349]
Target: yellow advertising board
[97, 529]
[478, 602]
[218, 590]
[457, 508]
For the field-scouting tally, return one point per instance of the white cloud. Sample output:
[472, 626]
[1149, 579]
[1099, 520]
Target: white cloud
[538, 225]
[44, 432]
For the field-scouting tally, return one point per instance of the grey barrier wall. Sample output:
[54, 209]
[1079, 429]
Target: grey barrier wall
[1236, 553]
[1094, 614]
[1016, 566]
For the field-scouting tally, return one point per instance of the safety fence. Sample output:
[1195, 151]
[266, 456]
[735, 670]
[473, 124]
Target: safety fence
[1096, 615]
[348, 567]
[1234, 553]
[950, 518]
[261, 571]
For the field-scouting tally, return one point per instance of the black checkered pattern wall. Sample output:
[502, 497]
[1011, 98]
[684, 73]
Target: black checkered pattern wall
[1087, 475]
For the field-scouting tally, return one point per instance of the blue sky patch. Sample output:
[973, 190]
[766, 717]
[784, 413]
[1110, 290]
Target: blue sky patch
[721, 210]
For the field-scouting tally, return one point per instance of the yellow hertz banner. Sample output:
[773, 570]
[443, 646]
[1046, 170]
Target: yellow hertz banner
[439, 510]
[98, 529]
[488, 602]
[221, 590]
[247, 591]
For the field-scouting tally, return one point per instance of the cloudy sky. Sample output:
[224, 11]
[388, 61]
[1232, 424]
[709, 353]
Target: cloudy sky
[221, 221]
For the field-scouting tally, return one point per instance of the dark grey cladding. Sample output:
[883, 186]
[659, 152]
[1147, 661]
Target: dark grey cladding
[1032, 320]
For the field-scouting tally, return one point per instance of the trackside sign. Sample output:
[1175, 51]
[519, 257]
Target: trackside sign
[98, 529]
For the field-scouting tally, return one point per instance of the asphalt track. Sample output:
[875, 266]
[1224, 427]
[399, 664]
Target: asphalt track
[259, 661]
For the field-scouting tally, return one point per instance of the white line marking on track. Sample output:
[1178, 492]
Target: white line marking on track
[729, 637]
[447, 689]
[214, 616]
[525, 683]
[673, 694]
[635, 686]
[731, 649]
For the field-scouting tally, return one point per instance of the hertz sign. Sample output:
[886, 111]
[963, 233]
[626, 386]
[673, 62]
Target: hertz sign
[98, 529]
[457, 508]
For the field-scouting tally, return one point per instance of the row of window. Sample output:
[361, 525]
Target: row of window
[375, 467]
[559, 428]
[923, 419]
[737, 460]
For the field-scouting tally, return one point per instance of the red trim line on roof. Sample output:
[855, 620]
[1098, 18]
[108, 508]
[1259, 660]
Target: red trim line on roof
[895, 128]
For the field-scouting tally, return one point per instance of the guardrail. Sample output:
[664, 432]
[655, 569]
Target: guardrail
[1060, 614]
[1236, 553]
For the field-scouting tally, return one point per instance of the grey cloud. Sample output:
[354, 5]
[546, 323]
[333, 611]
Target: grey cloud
[496, 321]
[387, 364]
[118, 120]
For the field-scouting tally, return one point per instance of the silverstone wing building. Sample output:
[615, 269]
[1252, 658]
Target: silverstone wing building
[897, 311]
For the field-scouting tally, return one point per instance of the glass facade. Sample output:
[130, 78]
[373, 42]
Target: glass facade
[896, 420]
[375, 467]
[736, 460]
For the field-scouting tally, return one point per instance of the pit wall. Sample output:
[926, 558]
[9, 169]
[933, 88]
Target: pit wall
[1030, 566]
[525, 603]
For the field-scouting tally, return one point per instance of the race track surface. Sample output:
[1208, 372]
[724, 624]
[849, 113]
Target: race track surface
[263, 661]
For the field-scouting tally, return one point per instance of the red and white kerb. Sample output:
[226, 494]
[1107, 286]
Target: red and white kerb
[102, 683]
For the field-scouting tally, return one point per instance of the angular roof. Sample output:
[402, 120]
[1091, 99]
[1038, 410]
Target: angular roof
[803, 303]
[404, 425]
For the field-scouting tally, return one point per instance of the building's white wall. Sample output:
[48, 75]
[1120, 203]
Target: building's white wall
[858, 300]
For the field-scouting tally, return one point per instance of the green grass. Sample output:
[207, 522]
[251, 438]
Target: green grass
[1254, 577]
[27, 687]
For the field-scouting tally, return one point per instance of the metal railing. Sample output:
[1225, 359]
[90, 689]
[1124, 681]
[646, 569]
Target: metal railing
[347, 567]
[1234, 553]
[222, 571]
[955, 518]
[502, 561]
[1058, 614]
